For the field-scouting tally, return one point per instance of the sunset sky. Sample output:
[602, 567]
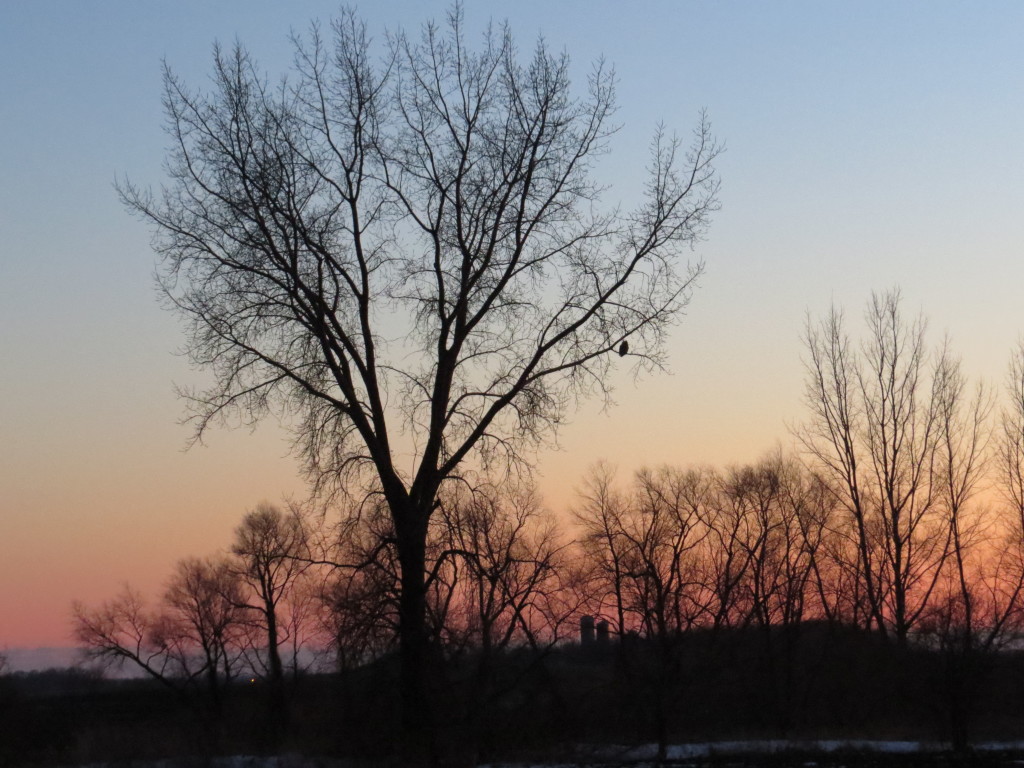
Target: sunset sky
[869, 145]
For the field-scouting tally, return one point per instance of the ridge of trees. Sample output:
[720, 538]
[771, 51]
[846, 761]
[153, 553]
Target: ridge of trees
[883, 524]
[881, 528]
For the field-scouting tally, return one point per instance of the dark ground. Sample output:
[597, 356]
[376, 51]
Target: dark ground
[819, 682]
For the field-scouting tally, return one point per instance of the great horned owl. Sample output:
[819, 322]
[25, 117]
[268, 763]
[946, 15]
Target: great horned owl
[623, 348]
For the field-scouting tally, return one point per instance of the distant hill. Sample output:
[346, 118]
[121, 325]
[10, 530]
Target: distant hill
[37, 659]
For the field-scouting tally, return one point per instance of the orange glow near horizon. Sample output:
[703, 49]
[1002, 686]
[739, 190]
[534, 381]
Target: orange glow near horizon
[128, 519]
[130, 523]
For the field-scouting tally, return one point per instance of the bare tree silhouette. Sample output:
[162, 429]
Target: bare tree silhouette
[414, 248]
[194, 637]
[271, 548]
[876, 432]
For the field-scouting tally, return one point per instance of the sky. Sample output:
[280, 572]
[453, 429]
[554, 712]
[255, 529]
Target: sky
[868, 145]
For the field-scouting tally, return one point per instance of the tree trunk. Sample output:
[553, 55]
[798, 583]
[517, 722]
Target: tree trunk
[414, 643]
[278, 699]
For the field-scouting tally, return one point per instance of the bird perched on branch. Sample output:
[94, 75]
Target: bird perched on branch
[623, 348]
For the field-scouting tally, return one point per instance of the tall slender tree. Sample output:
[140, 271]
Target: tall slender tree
[271, 548]
[876, 432]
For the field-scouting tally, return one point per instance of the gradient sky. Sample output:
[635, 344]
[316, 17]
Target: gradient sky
[869, 145]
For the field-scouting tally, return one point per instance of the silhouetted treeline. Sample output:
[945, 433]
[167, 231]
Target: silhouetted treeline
[869, 584]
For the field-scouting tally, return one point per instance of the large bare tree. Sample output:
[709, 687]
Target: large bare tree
[409, 259]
